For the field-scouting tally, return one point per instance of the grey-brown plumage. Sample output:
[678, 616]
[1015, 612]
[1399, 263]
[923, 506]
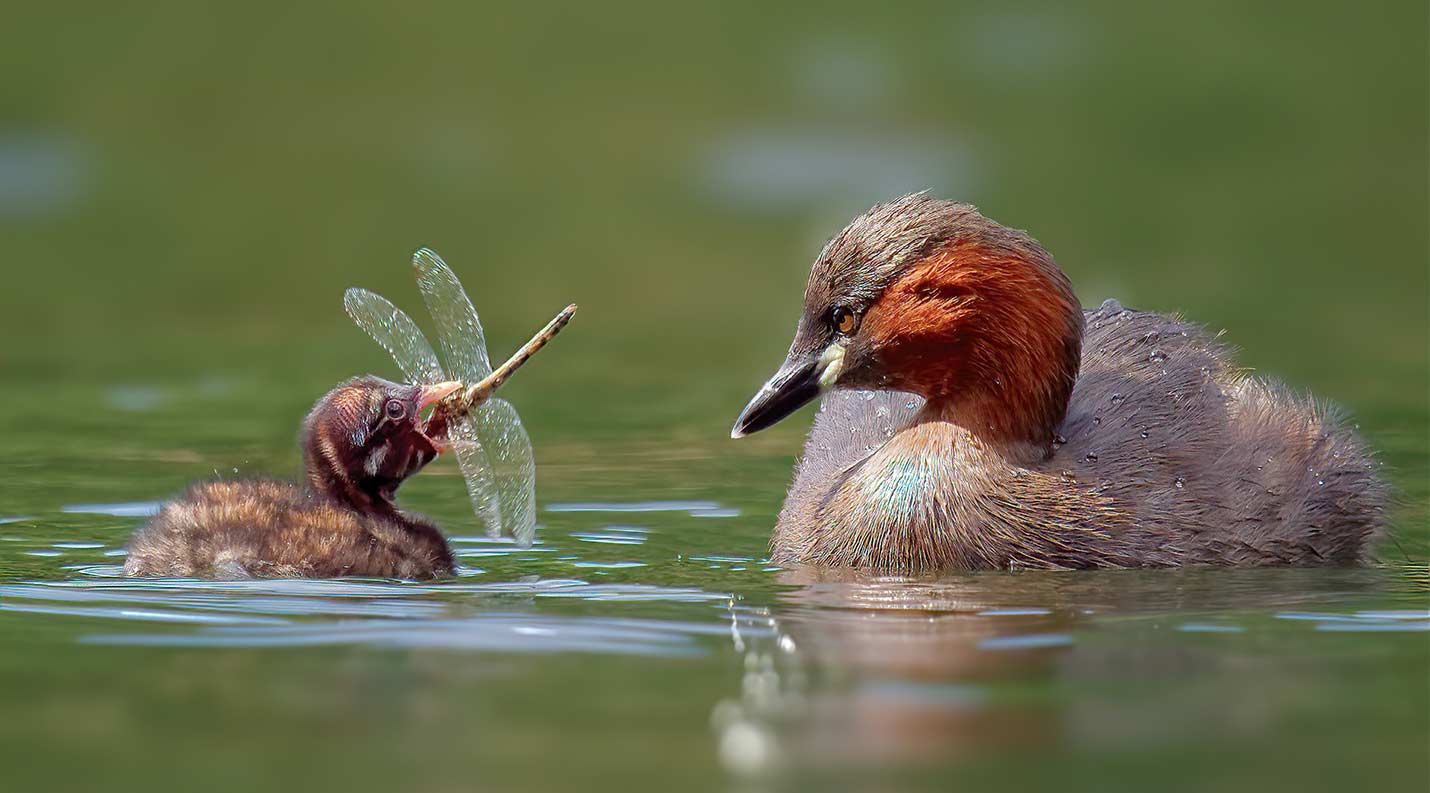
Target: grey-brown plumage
[1164, 453]
[360, 442]
[274, 529]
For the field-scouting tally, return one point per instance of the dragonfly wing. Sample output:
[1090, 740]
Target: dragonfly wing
[496, 423]
[395, 332]
[509, 449]
[477, 470]
[464, 345]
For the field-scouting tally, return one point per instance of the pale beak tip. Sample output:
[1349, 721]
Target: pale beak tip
[433, 394]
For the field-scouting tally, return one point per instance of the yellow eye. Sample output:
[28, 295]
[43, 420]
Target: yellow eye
[845, 320]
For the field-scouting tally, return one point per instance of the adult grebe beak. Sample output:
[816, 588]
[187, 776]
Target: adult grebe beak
[800, 379]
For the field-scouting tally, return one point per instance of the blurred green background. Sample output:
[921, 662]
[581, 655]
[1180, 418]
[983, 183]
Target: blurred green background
[186, 189]
[193, 185]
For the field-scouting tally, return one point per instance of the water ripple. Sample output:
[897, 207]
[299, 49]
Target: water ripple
[298, 612]
[614, 535]
[522, 633]
[1034, 641]
[699, 509]
[122, 509]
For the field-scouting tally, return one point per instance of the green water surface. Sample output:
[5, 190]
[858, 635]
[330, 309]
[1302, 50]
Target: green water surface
[186, 190]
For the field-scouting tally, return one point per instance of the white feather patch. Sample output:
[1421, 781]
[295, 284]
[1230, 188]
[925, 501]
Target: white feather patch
[831, 363]
[375, 459]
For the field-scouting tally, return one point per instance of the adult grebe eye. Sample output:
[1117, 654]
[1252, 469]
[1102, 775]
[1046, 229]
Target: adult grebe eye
[844, 319]
[396, 410]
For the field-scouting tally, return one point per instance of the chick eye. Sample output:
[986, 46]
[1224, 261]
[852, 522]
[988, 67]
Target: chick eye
[844, 319]
[396, 410]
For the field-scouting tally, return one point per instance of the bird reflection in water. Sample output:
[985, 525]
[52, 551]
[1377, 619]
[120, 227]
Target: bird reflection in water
[854, 671]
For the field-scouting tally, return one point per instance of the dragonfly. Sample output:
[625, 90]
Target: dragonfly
[483, 431]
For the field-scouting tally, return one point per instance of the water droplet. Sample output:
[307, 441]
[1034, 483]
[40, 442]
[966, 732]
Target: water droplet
[1157, 356]
[1017, 472]
[1096, 420]
[1068, 476]
[1180, 483]
[1116, 399]
[1144, 434]
[1091, 457]
[1059, 440]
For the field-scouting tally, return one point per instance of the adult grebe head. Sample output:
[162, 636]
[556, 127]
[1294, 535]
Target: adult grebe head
[928, 296]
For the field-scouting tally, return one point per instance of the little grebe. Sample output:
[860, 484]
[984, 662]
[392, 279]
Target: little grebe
[976, 417]
[360, 442]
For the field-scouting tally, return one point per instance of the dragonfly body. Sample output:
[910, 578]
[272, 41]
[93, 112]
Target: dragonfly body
[461, 404]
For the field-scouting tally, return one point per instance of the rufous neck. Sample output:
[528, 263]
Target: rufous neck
[998, 351]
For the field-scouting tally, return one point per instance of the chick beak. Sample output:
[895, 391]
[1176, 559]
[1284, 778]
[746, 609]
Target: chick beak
[431, 395]
[800, 379]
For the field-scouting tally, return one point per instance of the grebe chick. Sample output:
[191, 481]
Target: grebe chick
[360, 442]
[975, 417]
